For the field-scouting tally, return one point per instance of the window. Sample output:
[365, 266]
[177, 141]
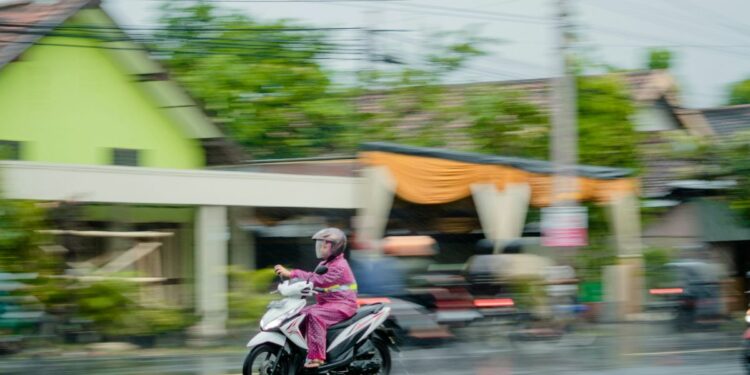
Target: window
[10, 150]
[124, 156]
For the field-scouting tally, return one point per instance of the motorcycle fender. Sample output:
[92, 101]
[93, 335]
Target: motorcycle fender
[385, 337]
[267, 337]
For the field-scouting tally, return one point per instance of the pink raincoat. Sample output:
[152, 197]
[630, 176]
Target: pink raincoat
[332, 307]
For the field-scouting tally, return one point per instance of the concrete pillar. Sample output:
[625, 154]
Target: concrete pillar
[628, 282]
[241, 243]
[211, 237]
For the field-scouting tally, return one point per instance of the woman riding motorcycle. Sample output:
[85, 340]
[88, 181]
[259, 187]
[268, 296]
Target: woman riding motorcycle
[337, 302]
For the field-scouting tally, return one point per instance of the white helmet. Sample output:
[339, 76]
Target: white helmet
[335, 236]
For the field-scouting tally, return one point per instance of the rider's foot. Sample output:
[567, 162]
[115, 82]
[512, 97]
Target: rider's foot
[314, 363]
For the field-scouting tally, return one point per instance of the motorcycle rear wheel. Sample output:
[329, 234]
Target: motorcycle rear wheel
[385, 356]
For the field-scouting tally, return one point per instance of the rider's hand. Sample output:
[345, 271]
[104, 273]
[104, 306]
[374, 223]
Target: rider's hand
[282, 271]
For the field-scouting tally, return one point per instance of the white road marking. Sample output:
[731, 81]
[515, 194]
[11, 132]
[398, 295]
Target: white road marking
[683, 352]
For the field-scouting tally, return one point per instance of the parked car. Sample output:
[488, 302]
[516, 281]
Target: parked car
[691, 291]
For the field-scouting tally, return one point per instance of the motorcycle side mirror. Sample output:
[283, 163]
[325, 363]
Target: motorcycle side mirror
[321, 270]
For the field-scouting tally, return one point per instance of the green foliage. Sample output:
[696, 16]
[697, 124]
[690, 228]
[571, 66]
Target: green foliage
[654, 260]
[277, 101]
[528, 293]
[416, 94]
[112, 308]
[249, 295]
[722, 158]
[739, 92]
[735, 164]
[659, 58]
[604, 120]
[507, 124]
[261, 81]
[19, 239]
[600, 252]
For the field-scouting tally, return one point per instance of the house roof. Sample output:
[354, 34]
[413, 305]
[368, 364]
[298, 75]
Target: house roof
[23, 22]
[728, 120]
[644, 85]
[18, 16]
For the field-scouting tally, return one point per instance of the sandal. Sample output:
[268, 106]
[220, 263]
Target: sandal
[314, 363]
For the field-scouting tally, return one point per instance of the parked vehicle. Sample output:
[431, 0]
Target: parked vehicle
[21, 314]
[691, 291]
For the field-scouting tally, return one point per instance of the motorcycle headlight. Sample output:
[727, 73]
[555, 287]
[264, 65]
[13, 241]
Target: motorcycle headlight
[272, 324]
[747, 316]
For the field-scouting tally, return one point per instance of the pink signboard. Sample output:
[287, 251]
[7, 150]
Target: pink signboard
[564, 226]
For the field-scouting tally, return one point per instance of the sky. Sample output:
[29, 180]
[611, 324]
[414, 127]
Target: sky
[710, 39]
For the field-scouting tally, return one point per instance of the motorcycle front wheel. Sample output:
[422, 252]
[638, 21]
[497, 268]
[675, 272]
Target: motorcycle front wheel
[264, 360]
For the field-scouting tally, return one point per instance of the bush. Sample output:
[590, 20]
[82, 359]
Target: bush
[110, 308]
[249, 295]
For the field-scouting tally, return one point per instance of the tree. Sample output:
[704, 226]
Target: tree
[606, 135]
[659, 58]
[719, 159]
[261, 81]
[505, 123]
[19, 239]
[412, 104]
[739, 92]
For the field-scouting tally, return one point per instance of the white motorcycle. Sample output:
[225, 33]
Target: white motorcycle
[359, 345]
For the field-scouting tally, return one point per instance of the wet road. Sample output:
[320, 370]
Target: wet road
[622, 349]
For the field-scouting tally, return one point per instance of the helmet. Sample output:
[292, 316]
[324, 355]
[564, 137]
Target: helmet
[336, 237]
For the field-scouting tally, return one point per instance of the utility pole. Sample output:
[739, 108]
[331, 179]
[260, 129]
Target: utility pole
[565, 223]
[564, 147]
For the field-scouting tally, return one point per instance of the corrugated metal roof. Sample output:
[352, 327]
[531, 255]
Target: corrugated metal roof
[728, 120]
[531, 165]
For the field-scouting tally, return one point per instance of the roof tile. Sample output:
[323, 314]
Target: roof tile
[16, 20]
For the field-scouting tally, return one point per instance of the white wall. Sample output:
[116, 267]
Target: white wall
[136, 185]
[656, 117]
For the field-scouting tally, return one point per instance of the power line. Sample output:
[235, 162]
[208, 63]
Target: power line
[475, 68]
[412, 41]
[471, 12]
[640, 16]
[247, 51]
[727, 24]
[476, 16]
[283, 1]
[288, 54]
[209, 41]
[645, 16]
[631, 34]
[269, 29]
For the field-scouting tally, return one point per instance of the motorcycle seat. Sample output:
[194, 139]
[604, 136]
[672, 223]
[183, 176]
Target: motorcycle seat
[361, 313]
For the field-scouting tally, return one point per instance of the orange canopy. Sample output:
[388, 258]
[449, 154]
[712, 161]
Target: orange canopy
[432, 176]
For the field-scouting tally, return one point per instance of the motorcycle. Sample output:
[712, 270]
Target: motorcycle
[359, 345]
